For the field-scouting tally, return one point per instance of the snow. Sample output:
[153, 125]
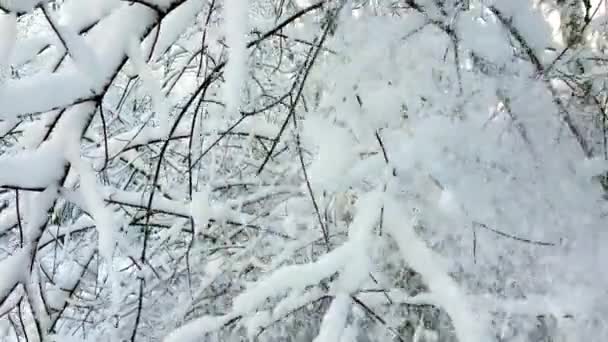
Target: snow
[236, 13]
[195, 329]
[336, 153]
[491, 44]
[8, 27]
[530, 22]
[8, 218]
[84, 57]
[32, 169]
[68, 134]
[469, 325]
[102, 215]
[74, 15]
[356, 270]
[164, 4]
[448, 203]
[110, 38]
[136, 137]
[172, 234]
[35, 300]
[350, 333]
[160, 106]
[28, 49]
[4, 328]
[293, 277]
[175, 207]
[295, 300]
[22, 5]
[80, 224]
[455, 160]
[174, 24]
[79, 14]
[258, 125]
[159, 203]
[397, 295]
[71, 87]
[34, 132]
[591, 167]
[201, 210]
[35, 208]
[361, 241]
[352, 257]
[334, 321]
[13, 270]
[257, 322]
[421, 334]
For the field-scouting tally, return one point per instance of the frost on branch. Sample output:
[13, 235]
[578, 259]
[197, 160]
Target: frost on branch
[226, 170]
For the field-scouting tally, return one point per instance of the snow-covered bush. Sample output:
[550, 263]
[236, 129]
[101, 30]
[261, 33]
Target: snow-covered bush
[189, 170]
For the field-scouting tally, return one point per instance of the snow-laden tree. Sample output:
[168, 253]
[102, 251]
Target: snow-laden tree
[413, 170]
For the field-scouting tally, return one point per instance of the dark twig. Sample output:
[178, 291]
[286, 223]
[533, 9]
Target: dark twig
[105, 137]
[377, 317]
[19, 218]
[324, 229]
[513, 237]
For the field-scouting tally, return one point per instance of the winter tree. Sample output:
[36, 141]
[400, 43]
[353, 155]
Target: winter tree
[295, 170]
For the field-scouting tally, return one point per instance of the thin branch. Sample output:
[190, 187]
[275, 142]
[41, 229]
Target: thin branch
[582, 31]
[292, 110]
[513, 237]
[540, 71]
[19, 218]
